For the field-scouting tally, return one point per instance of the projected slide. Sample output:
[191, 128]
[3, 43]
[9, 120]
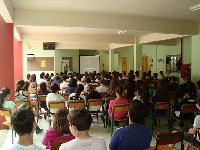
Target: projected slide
[89, 64]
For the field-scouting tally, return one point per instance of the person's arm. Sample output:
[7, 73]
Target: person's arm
[110, 108]
[192, 130]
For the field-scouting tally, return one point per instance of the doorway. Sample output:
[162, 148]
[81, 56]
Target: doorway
[125, 64]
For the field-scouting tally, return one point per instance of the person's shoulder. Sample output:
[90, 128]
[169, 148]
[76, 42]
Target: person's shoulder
[69, 145]
[19, 147]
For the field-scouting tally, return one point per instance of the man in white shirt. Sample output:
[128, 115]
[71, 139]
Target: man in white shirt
[54, 96]
[102, 88]
[23, 122]
[80, 121]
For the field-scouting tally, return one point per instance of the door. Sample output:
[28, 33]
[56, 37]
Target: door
[125, 64]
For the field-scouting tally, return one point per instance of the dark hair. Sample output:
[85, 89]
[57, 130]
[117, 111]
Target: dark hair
[54, 88]
[119, 90]
[60, 122]
[81, 118]
[73, 82]
[22, 120]
[4, 92]
[137, 74]
[43, 88]
[136, 111]
[33, 78]
[28, 76]
[20, 85]
[26, 85]
[42, 75]
[88, 80]
[78, 91]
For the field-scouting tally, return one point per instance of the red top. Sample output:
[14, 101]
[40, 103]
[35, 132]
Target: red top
[51, 135]
[117, 115]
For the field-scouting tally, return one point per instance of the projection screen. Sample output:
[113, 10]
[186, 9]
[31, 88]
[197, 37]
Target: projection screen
[89, 64]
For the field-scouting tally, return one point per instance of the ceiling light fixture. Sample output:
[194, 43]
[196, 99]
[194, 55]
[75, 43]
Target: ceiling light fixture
[195, 7]
[121, 31]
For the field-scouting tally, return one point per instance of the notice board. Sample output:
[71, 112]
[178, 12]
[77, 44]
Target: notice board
[40, 64]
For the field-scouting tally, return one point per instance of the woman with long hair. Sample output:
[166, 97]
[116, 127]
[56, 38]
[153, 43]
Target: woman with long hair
[119, 100]
[4, 96]
[60, 130]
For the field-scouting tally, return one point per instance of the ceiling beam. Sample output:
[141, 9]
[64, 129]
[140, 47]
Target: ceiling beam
[155, 37]
[105, 21]
[86, 38]
[6, 11]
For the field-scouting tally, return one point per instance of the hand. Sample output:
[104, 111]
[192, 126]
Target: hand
[192, 131]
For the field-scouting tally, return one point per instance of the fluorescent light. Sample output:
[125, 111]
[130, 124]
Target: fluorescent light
[121, 31]
[195, 8]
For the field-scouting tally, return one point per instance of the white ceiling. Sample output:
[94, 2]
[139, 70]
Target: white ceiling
[174, 9]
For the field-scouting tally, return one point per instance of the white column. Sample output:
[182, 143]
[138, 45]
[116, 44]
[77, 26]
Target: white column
[111, 60]
[137, 55]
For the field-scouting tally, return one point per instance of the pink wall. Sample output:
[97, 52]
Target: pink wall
[17, 60]
[6, 56]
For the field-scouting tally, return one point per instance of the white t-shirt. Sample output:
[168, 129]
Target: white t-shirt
[21, 147]
[53, 97]
[197, 125]
[93, 143]
[102, 89]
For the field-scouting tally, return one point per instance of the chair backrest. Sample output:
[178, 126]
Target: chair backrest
[5, 112]
[20, 102]
[32, 90]
[75, 104]
[56, 104]
[188, 108]
[120, 108]
[169, 138]
[172, 95]
[95, 102]
[42, 98]
[162, 105]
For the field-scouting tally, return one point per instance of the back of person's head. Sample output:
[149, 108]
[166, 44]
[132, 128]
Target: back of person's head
[60, 122]
[64, 77]
[20, 85]
[90, 88]
[81, 118]
[4, 92]
[73, 82]
[136, 111]
[33, 78]
[137, 73]
[42, 75]
[28, 76]
[88, 80]
[161, 73]
[55, 88]
[102, 82]
[43, 86]
[26, 85]
[78, 90]
[22, 120]
[119, 90]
